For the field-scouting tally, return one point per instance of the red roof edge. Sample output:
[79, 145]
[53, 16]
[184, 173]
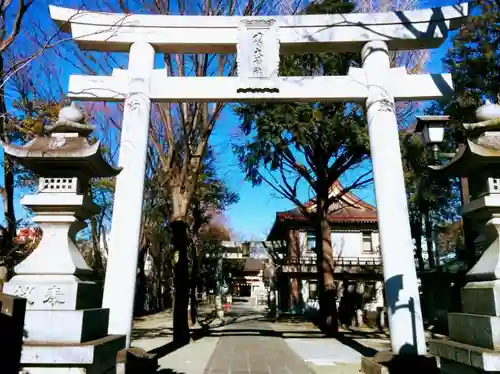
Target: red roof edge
[347, 195]
[283, 216]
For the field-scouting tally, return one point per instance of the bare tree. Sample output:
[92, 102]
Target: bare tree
[7, 22]
[180, 136]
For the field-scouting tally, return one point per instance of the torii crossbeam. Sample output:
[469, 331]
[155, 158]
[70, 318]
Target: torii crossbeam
[352, 88]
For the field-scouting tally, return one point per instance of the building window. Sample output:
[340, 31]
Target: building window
[311, 241]
[367, 242]
[313, 290]
[245, 249]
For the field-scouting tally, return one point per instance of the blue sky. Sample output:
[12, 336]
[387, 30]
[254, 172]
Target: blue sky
[253, 215]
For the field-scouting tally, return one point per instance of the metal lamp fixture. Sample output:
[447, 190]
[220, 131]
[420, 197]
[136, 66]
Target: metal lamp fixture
[431, 128]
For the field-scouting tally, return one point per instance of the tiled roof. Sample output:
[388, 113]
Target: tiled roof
[349, 209]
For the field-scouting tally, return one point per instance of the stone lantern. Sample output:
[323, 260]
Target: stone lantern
[474, 335]
[65, 325]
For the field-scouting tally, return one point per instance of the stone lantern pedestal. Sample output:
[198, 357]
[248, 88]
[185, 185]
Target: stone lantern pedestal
[473, 346]
[66, 328]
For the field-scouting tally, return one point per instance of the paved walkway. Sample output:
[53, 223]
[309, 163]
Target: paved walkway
[323, 355]
[254, 347]
[246, 344]
[154, 333]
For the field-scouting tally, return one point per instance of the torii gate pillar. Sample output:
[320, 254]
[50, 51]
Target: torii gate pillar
[121, 268]
[400, 275]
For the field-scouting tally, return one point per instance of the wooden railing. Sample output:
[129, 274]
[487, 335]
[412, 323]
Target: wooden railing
[342, 264]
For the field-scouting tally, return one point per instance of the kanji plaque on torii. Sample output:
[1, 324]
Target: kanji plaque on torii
[258, 54]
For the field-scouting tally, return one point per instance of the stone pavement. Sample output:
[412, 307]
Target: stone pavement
[247, 343]
[254, 347]
[321, 354]
[154, 334]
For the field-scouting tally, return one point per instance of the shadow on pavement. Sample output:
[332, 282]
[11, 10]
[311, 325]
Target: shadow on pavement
[166, 349]
[348, 339]
[159, 332]
[168, 371]
[288, 334]
[357, 334]
[207, 329]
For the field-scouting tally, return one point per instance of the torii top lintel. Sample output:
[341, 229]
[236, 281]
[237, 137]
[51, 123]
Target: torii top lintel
[402, 30]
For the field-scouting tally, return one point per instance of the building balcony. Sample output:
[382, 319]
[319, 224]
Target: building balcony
[352, 265]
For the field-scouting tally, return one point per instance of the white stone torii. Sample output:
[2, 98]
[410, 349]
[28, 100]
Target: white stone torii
[258, 42]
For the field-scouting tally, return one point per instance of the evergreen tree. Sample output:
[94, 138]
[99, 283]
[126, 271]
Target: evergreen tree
[293, 143]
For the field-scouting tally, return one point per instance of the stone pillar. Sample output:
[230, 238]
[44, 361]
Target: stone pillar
[359, 303]
[405, 316]
[379, 304]
[276, 299]
[121, 270]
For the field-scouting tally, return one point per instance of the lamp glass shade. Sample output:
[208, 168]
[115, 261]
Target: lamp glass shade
[432, 133]
[436, 133]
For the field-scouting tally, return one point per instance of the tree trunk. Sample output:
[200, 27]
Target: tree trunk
[195, 276]
[429, 241]
[140, 294]
[469, 252]
[159, 303]
[10, 216]
[181, 281]
[98, 265]
[168, 274]
[8, 171]
[327, 290]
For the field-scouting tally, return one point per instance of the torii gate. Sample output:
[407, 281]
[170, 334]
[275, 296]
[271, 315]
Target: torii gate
[258, 41]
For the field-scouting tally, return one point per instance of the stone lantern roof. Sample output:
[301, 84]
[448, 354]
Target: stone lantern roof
[482, 147]
[66, 151]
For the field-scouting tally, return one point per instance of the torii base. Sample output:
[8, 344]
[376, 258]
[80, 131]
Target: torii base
[389, 363]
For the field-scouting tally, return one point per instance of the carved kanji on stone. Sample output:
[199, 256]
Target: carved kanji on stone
[25, 290]
[53, 296]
